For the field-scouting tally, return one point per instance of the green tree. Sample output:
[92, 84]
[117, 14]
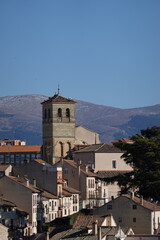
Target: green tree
[144, 156]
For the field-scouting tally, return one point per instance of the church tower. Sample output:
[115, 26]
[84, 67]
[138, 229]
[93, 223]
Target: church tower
[58, 127]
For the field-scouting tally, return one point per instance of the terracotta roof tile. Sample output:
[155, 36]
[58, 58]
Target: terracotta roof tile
[25, 148]
[70, 189]
[123, 140]
[49, 195]
[39, 161]
[87, 221]
[146, 204]
[59, 99]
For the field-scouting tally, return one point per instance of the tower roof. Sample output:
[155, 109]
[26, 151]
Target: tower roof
[59, 99]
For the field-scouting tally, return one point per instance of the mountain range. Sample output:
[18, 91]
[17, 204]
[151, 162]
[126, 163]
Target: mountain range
[21, 118]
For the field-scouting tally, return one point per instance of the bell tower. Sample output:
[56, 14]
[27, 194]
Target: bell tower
[58, 127]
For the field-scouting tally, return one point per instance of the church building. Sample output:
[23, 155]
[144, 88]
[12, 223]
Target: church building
[58, 127]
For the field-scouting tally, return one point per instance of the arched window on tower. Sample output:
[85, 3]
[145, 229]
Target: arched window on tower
[69, 146]
[68, 113]
[61, 149]
[60, 113]
[49, 113]
[45, 113]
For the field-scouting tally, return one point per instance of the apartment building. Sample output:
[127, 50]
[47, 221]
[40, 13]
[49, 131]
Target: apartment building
[102, 157]
[10, 142]
[50, 179]
[93, 191]
[24, 195]
[19, 155]
[128, 210]
[14, 218]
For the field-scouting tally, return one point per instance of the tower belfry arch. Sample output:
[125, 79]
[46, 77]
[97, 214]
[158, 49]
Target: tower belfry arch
[58, 127]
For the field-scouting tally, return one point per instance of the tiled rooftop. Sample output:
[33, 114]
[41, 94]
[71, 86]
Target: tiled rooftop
[75, 165]
[100, 148]
[3, 167]
[109, 174]
[18, 149]
[146, 204]
[23, 182]
[59, 99]
[82, 234]
[5, 202]
[87, 221]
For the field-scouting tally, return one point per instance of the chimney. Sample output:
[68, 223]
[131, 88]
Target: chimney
[27, 182]
[132, 195]
[86, 168]
[47, 236]
[141, 200]
[94, 228]
[99, 233]
[34, 182]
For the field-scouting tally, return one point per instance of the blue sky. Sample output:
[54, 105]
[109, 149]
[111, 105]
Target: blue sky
[104, 51]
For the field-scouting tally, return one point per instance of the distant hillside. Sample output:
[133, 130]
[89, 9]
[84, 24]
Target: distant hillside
[20, 118]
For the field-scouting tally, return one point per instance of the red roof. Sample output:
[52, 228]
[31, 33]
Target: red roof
[124, 140]
[25, 148]
[59, 99]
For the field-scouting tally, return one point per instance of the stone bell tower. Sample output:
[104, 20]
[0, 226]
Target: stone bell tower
[58, 127]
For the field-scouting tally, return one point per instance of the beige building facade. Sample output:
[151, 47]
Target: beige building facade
[100, 157]
[84, 135]
[142, 216]
[94, 191]
[24, 195]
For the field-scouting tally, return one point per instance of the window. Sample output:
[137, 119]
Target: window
[114, 164]
[134, 206]
[61, 149]
[45, 113]
[134, 219]
[66, 171]
[49, 113]
[109, 206]
[1, 158]
[119, 219]
[74, 208]
[68, 146]
[12, 158]
[7, 158]
[59, 112]
[68, 113]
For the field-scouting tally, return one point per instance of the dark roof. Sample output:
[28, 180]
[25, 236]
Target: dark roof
[59, 99]
[70, 189]
[146, 204]
[82, 166]
[87, 221]
[100, 148]
[48, 195]
[3, 167]
[82, 234]
[5, 202]
[23, 181]
[109, 174]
